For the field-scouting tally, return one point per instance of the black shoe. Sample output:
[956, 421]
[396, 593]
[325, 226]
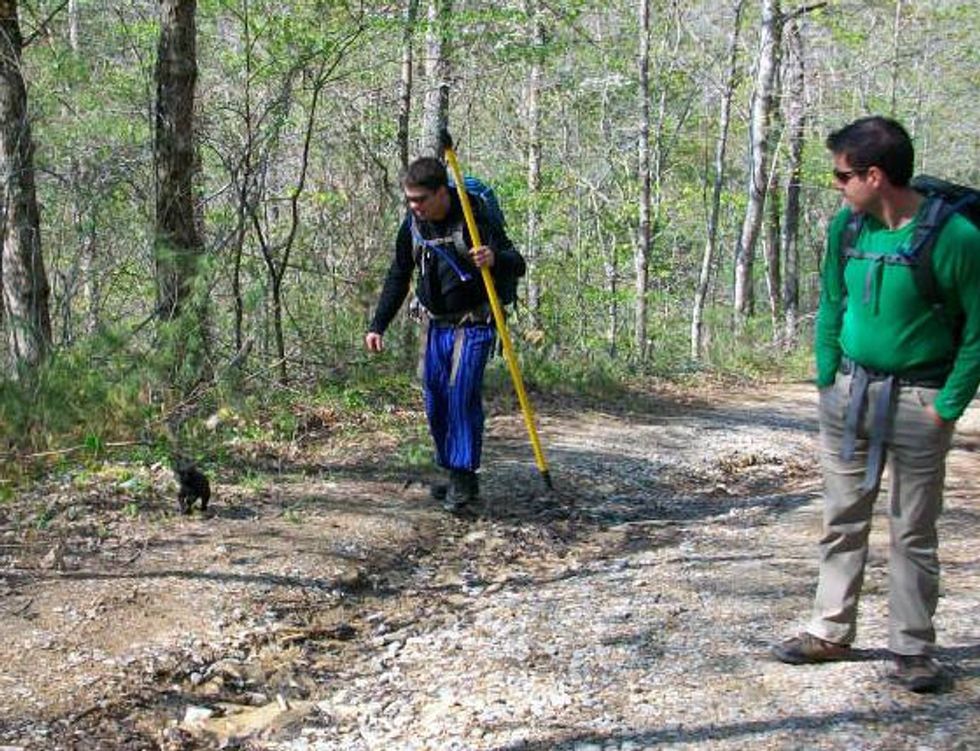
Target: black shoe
[918, 673]
[464, 488]
[808, 649]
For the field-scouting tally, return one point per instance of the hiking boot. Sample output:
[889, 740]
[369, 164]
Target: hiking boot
[464, 488]
[438, 491]
[808, 649]
[918, 673]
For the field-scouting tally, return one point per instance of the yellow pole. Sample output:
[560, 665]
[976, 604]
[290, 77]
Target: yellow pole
[498, 317]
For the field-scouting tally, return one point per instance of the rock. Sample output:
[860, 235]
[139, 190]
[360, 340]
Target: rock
[55, 558]
[197, 715]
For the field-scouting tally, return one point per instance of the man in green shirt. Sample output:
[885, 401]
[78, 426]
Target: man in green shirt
[895, 372]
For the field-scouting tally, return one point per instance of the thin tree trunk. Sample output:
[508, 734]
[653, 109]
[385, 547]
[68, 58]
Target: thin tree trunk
[435, 112]
[25, 282]
[796, 124]
[277, 268]
[762, 99]
[610, 265]
[896, 61]
[714, 210]
[405, 84]
[73, 22]
[244, 178]
[773, 223]
[641, 259]
[536, 33]
[771, 247]
[85, 231]
[90, 278]
[610, 272]
[178, 245]
[661, 140]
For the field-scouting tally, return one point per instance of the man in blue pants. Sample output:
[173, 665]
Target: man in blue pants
[433, 244]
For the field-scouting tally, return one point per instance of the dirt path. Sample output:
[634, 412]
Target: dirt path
[338, 608]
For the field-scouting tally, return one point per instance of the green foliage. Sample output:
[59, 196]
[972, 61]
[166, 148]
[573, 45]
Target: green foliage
[259, 63]
[597, 376]
[252, 480]
[754, 354]
[44, 517]
[415, 451]
[89, 394]
[94, 444]
[367, 385]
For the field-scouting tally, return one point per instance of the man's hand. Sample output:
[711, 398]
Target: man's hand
[374, 341]
[482, 256]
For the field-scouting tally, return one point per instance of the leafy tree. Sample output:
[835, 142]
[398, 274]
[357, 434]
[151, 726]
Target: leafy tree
[25, 282]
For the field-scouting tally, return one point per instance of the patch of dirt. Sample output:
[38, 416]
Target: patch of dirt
[333, 605]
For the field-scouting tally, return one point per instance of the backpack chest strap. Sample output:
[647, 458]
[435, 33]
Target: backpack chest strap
[917, 256]
[450, 249]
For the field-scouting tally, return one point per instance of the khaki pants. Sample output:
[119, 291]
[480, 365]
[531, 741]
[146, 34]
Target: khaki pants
[916, 457]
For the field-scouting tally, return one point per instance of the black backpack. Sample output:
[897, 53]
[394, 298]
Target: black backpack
[943, 199]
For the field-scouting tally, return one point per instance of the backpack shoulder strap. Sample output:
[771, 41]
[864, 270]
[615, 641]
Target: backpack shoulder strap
[459, 239]
[436, 246]
[932, 216]
[848, 242]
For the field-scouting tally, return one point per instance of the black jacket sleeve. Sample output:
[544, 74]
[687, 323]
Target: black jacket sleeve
[396, 285]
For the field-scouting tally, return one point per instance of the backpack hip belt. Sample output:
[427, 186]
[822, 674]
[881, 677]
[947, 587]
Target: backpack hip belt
[884, 410]
[928, 376]
[480, 315]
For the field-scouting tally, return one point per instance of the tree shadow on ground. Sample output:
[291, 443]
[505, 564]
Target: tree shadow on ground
[603, 489]
[744, 731]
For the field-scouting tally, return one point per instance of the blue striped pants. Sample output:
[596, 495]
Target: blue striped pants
[452, 380]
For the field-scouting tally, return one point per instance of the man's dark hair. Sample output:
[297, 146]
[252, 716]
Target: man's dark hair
[876, 142]
[425, 172]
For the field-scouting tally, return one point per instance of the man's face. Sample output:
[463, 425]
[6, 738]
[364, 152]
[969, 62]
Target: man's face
[856, 186]
[428, 205]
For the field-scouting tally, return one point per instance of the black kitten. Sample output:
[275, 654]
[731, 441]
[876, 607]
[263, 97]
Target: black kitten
[193, 485]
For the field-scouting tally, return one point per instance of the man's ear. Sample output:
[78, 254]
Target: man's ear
[876, 176]
[443, 196]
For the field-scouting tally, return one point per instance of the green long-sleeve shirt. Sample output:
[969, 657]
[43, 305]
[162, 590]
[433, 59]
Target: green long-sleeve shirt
[883, 322]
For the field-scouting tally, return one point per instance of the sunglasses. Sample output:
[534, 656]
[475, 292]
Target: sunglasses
[844, 176]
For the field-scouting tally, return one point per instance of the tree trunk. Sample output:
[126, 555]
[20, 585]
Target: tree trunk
[276, 257]
[771, 246]
[25, 283]
[762, 99]
[536, 33]
[773, 223]
[405, 84]
[795, 125]
[73, 21]
[714, 209]
[178, 246]
[243, 177]
[91, 280]
[435, 112]
[641, 260]
[896, 56]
